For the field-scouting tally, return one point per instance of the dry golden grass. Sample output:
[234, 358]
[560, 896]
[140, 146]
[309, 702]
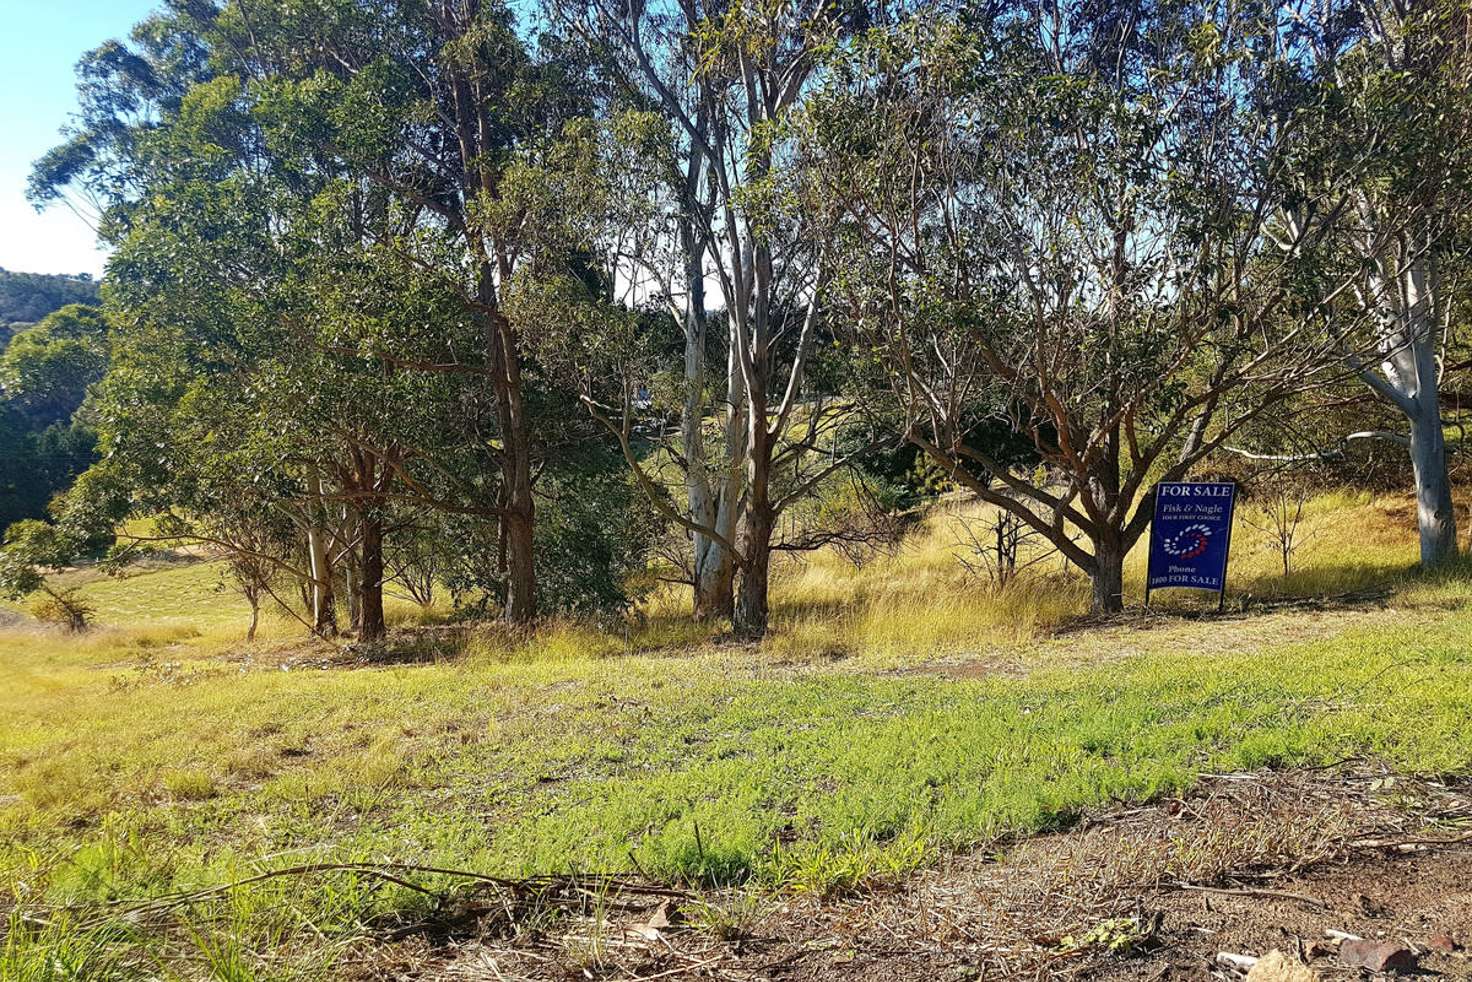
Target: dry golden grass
[921, 602]
[917, 604]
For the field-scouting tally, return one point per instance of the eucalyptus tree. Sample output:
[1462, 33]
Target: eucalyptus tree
[729, 79]
[46, 369]
[46, 372]
[158, 149]
[310, 186]
[426, 102]
[652, 57]
[1402, 91]
[1067, 219]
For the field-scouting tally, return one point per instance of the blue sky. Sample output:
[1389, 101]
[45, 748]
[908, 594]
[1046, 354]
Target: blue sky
[39, 47]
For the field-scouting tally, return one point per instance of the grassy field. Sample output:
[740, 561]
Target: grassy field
[899, 710]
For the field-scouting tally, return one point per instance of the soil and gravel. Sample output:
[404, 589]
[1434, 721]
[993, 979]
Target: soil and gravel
[1183, 889]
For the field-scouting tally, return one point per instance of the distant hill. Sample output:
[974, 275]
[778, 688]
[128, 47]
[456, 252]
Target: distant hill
[25, 298]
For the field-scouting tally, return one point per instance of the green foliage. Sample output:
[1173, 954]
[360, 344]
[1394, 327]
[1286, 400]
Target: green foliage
[593, 534]
[30, 550]
[46, 373]
[46, 370]
[65, 608]
[40, 463]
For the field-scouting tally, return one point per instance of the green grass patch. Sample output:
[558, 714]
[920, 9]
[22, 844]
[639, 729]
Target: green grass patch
[142, 761]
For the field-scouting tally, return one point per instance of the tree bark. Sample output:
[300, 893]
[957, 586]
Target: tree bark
[712, 570]
[1409, 381]
[521, 579]
[715, 578]
[1435, 514]
[370, 578]
[324, 605]
[709, 494]
[759, 518]
[1107, 578]
[352, 584]
[751, 616]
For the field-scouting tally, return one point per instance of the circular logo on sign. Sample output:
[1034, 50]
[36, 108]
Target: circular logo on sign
[1188, 543]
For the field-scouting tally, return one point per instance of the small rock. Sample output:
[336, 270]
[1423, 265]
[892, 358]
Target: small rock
[1318, 949]
[1377, 956]
[1443, 943]
[1278, 967]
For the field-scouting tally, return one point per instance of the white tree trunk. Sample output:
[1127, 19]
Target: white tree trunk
[1408, 380]
[324, 617]
[711, 493]
[1435, 515]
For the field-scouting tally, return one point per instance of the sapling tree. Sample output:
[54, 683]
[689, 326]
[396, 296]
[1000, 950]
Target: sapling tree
[32, 550]
[1276, 509]
[998, 547]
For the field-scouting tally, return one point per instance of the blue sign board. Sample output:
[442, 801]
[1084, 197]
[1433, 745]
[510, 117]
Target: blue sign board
[1190, 536]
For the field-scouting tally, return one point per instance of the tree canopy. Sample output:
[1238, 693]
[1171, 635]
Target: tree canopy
[525, 296]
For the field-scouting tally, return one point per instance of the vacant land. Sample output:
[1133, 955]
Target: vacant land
[902, 718]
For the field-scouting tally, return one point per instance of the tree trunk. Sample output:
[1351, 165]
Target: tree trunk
[255, 616]
[1107, 578]
[521, 579]
[760, 521]
[1434, 512]
[750, 618]
[479, 141]
[715, 577]
[370, 579]
[352, 581]
[709, 496]
[712, 505]
[1410, 382]
[324, 608]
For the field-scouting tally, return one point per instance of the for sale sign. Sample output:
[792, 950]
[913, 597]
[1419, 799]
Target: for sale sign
[1190, 536]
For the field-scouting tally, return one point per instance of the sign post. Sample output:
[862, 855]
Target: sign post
[1190, 536]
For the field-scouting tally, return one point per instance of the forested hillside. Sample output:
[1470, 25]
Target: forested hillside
[46, 370]
[25, 298]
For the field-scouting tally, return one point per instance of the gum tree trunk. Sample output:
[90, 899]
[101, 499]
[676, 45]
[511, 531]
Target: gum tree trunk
[478, 139]
[521, 580]
[1408, 380]
[370, 578]
[1435, 515]
[1107, 578]
[752, 613]
[712, 566]
[710, 492]
[759, 522]
[324, 605]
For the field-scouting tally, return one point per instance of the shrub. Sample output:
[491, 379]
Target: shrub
[65, 607]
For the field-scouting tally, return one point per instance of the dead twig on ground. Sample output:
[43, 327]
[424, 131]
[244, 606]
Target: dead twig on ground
[1251, 892]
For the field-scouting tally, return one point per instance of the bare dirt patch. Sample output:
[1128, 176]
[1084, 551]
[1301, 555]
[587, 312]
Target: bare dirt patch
[1253, 863]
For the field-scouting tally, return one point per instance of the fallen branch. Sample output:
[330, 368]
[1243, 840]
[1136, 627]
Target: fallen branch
[394, 873]
[1409, 843]
[1302, 898]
